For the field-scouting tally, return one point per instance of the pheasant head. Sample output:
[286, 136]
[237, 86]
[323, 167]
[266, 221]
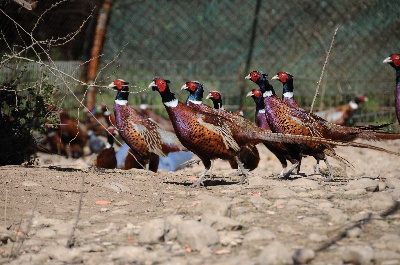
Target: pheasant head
[216, 98]
[393, 60]
[195, 90]
[122, 87]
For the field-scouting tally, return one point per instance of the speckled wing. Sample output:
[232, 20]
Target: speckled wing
[140, 133]
[216, 125]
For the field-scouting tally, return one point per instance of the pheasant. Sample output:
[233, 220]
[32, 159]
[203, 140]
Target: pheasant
[211, 136]
[132, 160]
[163, 123]
[106, 157]
[394, 61]
[338, 132]
[278, 149]
[145, 138]
[286, 119]
[342, 114]
[73, 134]
[248, 154]
[95, 143]
[339, 115]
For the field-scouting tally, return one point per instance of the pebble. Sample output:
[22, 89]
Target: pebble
[213, 205]
[363, 183]
[337, 215]
[357, 254]
[221, 222]
[117, 187]
[196, 235]
[232, 238]
[152, 232]
[354, 232]
[258, 235]
[275, 253]
[381, 201]
[393, 183]
[287, 229]
[303, 255]
[128, 254]
[385, 256]
[46, 233]
[388, 241]
[317, 237]
[260, 202]
[104, 210]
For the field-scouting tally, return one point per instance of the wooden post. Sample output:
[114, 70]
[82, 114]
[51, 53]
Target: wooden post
[96, 50]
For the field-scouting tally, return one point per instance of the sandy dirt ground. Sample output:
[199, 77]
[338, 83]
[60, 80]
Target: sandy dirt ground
[141, 217]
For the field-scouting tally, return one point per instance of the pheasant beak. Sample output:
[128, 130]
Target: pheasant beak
[209, 96]
[275, 77]
[248, 77]
[153, 86]
[249, 94]
[111, 85]
[184, 87]
[388, 60]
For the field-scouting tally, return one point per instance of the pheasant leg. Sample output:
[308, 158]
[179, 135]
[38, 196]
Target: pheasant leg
[287, 174]
[330, 176]
[244, 178]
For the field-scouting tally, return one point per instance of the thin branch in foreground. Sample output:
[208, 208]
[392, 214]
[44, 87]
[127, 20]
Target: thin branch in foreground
[323, 70]
[71, 240]
[25, 233]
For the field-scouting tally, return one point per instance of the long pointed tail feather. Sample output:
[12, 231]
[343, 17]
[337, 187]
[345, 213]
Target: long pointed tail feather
[302, 139]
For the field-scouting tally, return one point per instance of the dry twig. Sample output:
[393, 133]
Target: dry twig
[323, 70]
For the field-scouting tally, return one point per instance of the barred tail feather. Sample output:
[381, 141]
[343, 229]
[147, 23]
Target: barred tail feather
[302, 139]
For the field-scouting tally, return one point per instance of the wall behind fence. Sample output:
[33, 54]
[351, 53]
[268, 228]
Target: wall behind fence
[210, 40]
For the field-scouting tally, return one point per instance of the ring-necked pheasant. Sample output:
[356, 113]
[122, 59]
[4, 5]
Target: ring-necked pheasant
[331, 130]
[286, 119]
[106, 157]
[339, 115]
[143, 136]
[278, 149]
[211, 136]
[342, 114]
[394, 61]
[248, 154]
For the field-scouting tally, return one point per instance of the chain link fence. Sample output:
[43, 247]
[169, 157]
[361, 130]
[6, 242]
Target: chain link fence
[210, 41]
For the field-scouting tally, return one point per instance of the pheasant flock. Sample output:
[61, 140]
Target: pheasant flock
[286, 129]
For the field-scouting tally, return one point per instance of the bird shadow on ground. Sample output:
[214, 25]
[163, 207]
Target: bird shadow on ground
[207, 183]
[65, 169]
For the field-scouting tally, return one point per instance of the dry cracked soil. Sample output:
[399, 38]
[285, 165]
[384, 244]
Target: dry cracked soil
[141, 217]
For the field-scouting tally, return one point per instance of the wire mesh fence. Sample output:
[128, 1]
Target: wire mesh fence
[211, 41]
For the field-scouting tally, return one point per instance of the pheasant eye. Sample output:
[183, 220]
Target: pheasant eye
[396, 60]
